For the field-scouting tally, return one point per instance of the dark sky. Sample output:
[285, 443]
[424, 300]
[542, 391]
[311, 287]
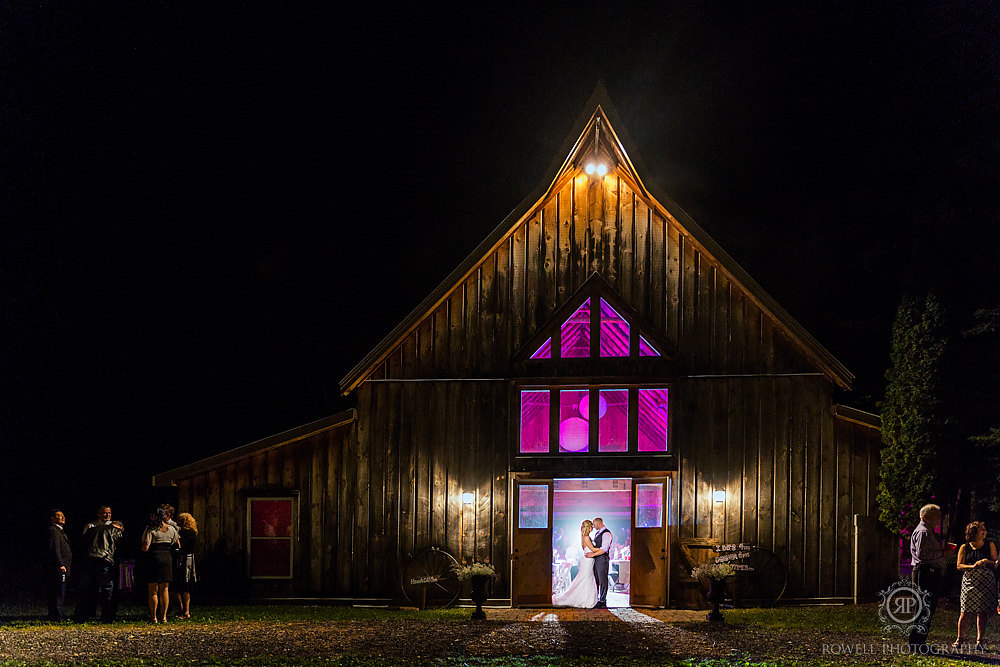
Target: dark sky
[208, 214]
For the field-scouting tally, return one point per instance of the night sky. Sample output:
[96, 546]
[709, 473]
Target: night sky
[208, 215]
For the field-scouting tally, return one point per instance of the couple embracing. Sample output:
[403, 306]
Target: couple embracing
[589, 589]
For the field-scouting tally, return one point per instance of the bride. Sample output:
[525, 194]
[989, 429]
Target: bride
[582, 592]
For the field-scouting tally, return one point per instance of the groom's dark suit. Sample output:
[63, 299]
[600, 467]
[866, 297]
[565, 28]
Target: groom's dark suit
[602, 564]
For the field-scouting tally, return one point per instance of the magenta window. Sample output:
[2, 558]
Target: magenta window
[576, 333]
[612, 430]
[614, 332]
[270, 523]
[545, 351]
[645, 349]
[649, 505]
[533, 506]
[652, 436]
[535, 421]
[574, 420]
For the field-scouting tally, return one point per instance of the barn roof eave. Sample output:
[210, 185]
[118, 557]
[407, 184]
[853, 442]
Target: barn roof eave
[856, 416]
[277, 440]
[601, 105]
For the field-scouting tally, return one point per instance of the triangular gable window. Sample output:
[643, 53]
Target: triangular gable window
[617, 333]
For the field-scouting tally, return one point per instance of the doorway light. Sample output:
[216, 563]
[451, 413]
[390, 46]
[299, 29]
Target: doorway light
[719, 496]
[468, 498]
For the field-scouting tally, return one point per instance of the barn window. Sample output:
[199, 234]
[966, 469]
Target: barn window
[580, 420]
[271, 526]
[652, 420]
[595, 329]
[535, 421]
[575, 333]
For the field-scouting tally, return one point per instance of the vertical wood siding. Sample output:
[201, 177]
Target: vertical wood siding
[375, 491]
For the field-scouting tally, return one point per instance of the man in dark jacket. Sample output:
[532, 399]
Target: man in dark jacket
[100, 569]
[59, 558]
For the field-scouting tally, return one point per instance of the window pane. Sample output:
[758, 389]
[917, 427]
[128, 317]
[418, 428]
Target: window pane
[614, 332]
[535, 421]
[646, 349]
[533, 506]
[271, 558]
[652, 420]
[612, 434]
[271, 518]
[545, 351]
[574, 427]
[649, 505]
[576, 333]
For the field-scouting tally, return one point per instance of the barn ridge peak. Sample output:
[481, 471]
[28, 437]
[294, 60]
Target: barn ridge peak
[598, 133]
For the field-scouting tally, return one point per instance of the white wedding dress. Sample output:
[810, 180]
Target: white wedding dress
[582, 591]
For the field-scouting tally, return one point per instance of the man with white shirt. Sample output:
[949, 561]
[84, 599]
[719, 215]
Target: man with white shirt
[602, 561]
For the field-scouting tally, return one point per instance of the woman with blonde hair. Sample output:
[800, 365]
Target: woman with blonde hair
[185, 573]
[582, 591]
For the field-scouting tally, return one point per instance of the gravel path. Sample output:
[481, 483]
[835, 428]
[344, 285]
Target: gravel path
[630, 633]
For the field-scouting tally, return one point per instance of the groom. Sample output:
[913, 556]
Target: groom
[602, 540]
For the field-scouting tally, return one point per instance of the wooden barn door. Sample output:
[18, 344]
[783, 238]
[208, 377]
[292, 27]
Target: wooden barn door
[648, 587]
[531, 555]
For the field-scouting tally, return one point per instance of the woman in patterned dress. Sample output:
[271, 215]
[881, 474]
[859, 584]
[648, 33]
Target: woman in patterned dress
[977, 560]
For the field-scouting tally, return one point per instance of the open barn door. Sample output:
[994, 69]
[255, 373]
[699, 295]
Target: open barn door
[531, 557]
[649, 542]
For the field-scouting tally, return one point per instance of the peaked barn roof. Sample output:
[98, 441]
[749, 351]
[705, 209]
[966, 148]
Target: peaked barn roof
[600, 133]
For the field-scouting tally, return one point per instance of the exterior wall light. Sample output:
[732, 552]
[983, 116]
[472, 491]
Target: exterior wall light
[598, 168]
[468, 498]
[719, 496]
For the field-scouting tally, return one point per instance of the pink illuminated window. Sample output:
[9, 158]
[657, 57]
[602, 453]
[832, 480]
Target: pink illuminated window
[576, 333]
[612, 430]
[574, 420]
[645, 349]
[614, 332]
[652, 436]
[545, 351]
[649, 505]
[588, 414]
[271, 527]
[533, 506]
[535, 421]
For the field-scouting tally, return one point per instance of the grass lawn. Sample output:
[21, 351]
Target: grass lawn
[833, 620]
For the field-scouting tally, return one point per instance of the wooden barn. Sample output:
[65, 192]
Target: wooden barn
[597, 355]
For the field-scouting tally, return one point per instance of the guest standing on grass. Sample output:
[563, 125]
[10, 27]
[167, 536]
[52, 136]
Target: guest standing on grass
[185, 574]
[977, 560]
[99, 547]
[927, 554]
[59, 559]
[157, 542]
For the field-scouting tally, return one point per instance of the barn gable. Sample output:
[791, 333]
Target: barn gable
[644, 246]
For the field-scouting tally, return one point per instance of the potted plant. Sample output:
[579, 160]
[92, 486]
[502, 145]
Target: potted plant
[716, 574]
[479, 574]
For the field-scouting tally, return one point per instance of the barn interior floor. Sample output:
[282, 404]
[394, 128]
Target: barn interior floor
[617, 599]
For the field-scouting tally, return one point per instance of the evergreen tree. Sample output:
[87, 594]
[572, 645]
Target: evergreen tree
[982, 406]
[911, 421]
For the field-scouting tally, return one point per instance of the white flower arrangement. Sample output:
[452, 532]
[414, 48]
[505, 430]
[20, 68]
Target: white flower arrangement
[466, 572]
[716, 571]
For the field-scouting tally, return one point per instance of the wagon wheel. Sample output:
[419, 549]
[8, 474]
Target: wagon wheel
[429, 578]
[762, 584]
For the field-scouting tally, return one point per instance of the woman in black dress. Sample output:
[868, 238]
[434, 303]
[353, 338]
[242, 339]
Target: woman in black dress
[185, 574]
[977, 560]
[158, 541]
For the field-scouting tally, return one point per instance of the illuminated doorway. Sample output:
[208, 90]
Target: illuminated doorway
[577, 499]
